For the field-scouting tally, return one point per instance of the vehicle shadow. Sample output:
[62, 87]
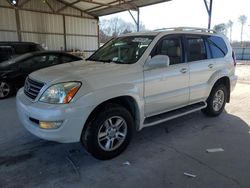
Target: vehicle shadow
[26, 161]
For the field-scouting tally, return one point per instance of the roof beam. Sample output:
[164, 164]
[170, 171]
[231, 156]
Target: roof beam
[114, 6]
[74, 7]
[49, 5]
[24, 2]
[9, 2]
[96, 3]
[68, 5]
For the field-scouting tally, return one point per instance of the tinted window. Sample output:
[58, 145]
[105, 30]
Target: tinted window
[217, 47]
[172, 48]
[39, 62]
[65, 59]
[196, 49]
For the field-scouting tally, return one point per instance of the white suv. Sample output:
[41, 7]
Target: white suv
[134, 81]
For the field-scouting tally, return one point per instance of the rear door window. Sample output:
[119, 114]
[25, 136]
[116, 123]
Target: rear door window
[196, 49]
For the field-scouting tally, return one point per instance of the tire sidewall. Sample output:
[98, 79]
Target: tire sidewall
[10, 87]
[211, 98]
[92, 132]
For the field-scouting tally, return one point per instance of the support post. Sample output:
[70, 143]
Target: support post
[98, 33]
[209, 11]
[137, 22]
[210, 14]
[64, 34]
[18, 27]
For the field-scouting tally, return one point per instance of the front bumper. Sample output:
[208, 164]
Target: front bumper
[72, 115]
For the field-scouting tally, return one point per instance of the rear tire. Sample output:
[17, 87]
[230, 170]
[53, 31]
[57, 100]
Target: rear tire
[216, 101]
[109, 133]
[6, 89]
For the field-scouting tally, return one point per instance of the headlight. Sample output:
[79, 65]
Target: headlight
[60, 93]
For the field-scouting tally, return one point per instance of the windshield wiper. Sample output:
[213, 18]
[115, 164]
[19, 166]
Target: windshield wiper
[105, 61]
[112, 61]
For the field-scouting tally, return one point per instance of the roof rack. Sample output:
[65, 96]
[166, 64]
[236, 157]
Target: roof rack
[187, 29]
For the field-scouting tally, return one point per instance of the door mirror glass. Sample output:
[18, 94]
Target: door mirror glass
[159, 61]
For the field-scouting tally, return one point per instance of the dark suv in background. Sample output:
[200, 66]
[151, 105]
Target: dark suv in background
[9, 50]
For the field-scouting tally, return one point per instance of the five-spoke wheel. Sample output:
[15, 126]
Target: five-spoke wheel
[5, 89]
[109, 132]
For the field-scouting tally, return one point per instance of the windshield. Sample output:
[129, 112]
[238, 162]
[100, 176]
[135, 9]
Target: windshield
[125, 50]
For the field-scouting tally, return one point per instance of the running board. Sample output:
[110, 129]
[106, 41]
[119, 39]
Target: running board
[153, 120]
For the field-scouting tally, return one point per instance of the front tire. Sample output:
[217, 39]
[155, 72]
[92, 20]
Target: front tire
[109, 133]
[6, 89]
[216, 101]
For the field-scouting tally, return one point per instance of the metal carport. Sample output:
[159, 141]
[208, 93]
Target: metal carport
[62, 24]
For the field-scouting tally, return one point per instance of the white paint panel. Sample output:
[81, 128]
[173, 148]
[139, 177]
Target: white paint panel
[41, 22]
[8, 36]
[4, 3]
[81, 26]
[7, 19]
[53, 42]
[71, 11]
[37, 5]
[82, 43]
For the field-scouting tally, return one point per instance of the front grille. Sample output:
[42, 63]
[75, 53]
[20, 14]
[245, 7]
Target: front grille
[32, 88]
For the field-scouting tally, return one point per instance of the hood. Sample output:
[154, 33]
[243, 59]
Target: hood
[76, 71]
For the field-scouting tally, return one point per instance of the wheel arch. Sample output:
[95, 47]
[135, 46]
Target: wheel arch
[225, 80]
[126, 101]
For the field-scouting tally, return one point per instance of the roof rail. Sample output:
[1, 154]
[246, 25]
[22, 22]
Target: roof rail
[187, 29]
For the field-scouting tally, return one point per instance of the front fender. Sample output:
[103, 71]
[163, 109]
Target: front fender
[99, 96]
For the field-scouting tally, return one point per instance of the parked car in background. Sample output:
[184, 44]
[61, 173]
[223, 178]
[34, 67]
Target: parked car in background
[14, 72]
[10, 50]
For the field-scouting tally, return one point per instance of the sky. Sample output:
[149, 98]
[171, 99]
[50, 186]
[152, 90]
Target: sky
[192, 13]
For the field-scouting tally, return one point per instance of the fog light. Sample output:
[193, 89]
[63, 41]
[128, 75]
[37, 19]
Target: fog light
[50, 124]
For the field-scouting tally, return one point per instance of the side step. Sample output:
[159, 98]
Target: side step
[149, 121]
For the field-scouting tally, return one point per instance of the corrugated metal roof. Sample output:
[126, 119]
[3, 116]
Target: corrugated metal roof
[105, 7]
[87, 8]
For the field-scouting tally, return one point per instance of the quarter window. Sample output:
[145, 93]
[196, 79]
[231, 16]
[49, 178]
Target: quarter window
[196, 49]
[217, 47]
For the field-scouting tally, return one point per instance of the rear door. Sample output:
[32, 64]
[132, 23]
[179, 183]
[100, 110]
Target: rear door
[202, 65]
[167, 88]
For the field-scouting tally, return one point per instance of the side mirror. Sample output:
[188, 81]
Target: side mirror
[158, 61]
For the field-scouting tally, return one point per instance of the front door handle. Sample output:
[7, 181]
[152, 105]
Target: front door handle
[183, 70]
[210, 66]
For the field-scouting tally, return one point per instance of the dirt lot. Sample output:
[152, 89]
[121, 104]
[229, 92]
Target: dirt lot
[158, 155]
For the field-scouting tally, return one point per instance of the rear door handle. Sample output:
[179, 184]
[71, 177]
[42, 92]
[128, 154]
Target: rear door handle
[183, 70]
[210, 66]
